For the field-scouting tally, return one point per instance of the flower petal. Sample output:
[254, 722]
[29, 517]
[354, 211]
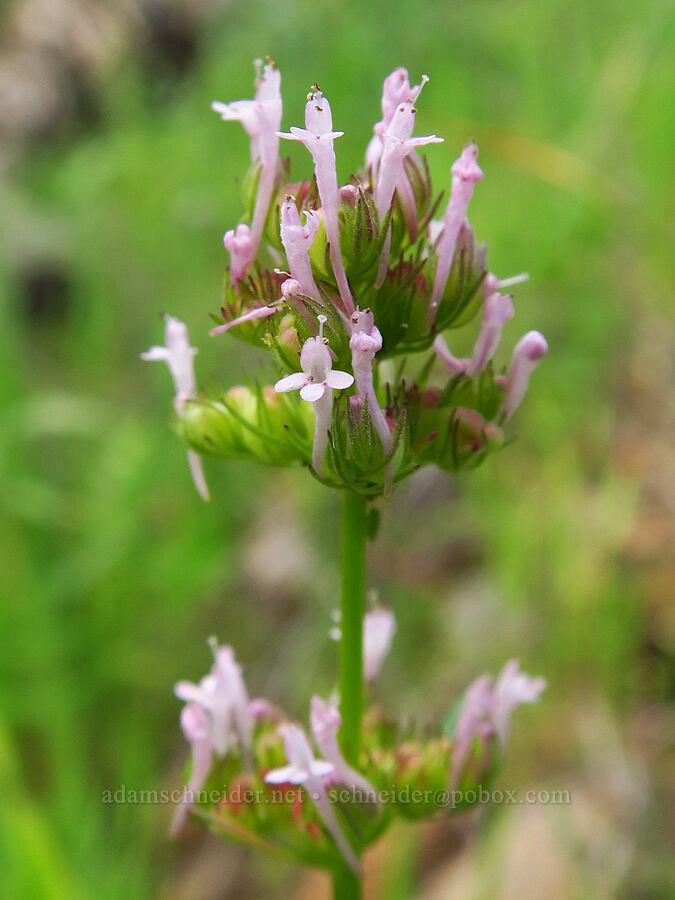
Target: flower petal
[312, 392]
[339, 380]
[286, 775]
[156, 353]
[291, 382]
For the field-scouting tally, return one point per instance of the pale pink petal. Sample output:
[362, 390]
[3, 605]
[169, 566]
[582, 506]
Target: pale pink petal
[156, 353]
[339, 380]
[197, 472]
[287, 775]
[312, 392]
[291, 382]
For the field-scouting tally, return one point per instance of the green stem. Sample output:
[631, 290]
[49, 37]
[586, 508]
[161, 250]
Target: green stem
[352, 609]
[347, 885]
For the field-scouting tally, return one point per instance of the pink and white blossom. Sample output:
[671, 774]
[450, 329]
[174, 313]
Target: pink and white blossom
[250, 315]
[179, 357]
[303, 769]
[487, 710]
[325, 721]
[497, 311]
[398, 142]
[365, 342]
[318, 136]
[223, 697]
[261, 118]
[239, 245]
[316, 383]
[528, 353]
[297, 239]
[465, 173]
[194, 722]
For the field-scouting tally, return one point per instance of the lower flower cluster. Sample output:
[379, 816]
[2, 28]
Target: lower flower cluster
[259, 778]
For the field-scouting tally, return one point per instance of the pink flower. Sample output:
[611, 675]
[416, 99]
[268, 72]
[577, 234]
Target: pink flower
[297, 239]
[398, 142]
[316, 383]
[239, 245]
[465, 173]
[303, 769]
[258, 312]
[528, 353]
[487, 711]
[379, 628]
[498, 310]
[364, 343]
[223, 697]
[395, 90]
[261, 119]
[325, 722]
[195, 724]
[179, 357]
[318, 136]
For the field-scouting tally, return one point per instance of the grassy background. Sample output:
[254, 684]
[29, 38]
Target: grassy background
[113, 571]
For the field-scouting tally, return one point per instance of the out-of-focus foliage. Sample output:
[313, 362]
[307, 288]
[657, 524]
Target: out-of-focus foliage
[113, 571]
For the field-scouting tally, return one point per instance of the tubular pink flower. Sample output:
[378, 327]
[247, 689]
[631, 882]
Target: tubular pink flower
[261, 119]
[465, 173]
[195, 724]
[318, 136]
[395, 90]
[487, 711]
[512, 688]
[316, 383]
[364, 343]
[260, 312]
[398, 142]
[303, 769]
[297, 239]
[325, 722]
[498, 310]
[240, 247]
[528, 353]
[179, 357]
[453, 365]
[379, 628]
[223, 697]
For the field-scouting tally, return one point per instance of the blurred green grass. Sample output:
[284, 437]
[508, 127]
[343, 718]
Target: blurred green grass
[114, 573]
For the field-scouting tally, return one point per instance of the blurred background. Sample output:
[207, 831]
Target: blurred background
[116, 185]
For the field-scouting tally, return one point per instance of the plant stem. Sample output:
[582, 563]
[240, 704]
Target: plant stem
[347, 885]
[352, 609]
